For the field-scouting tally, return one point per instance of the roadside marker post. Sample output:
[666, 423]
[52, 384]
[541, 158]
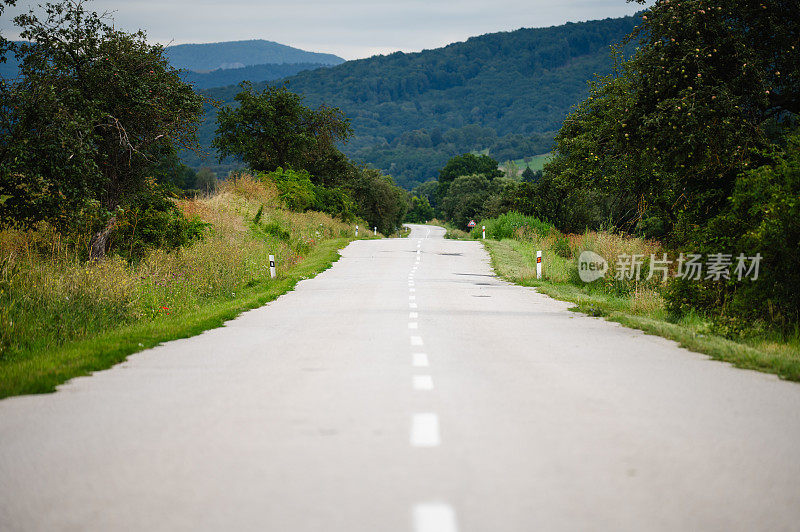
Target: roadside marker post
[484, 232]
[374, 231]
[538, 264]
[356, 230]
[272, 266]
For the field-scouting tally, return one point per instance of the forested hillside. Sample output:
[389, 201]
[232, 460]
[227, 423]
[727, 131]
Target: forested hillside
[236, 54]
[255, 73]
[507, 92]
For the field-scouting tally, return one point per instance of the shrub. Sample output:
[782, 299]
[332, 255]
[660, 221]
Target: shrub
[508, 225]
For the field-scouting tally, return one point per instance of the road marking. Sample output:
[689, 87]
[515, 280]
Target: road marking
[434, 517]
[413, 315]
[425, 430]
[416, 340]
[420, 360]
[413, 325]
[412, 298]
[423, 382]
[412, 305]
[412, 290]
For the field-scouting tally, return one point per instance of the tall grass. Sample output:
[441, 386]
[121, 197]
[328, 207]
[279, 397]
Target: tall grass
[50, 296]
[635, 302]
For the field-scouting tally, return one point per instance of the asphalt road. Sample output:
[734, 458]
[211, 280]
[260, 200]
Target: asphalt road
[407, 389]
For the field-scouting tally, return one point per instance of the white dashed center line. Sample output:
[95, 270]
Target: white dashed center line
[413, 325]
[416, 340]
[425, 430]
[422, 382]
[420, 360]
[413, 315]
[412, 305]
[434, 517]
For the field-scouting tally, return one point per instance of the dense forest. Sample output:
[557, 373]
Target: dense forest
[508, 92]
[255, 73]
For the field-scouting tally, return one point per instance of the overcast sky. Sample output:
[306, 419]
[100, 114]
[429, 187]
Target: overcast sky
[351, 29]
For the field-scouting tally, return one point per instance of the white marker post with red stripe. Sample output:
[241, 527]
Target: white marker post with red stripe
[538, 264]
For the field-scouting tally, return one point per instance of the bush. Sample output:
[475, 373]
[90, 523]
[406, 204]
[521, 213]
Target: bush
[154, 223]
[763, 217]
[509, 225]
[299, 193]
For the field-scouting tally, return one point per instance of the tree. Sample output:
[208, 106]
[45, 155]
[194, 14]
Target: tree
[666, 135]
[465, 199]
[420, 210]
[94, 111]
[272, 129]
[529, 176]
[206, 181]
[380, 202]
[465, 165]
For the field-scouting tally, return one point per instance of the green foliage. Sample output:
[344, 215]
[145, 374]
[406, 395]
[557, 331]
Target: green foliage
[763, 218]
[509, 225]
[206, 181]
[223, 77]
[665, 137]
[155, 222]
[465, 198]
[299, 193]
[175, 175]
[93, 111]
[504, 91]
[430, 191]
[380, 202]
[465, 165]
[272, 129]
[420, 210]
[689, 142]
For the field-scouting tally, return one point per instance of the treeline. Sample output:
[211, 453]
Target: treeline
[515, 87]
[90, 133]
[693, 141]
[255, 73]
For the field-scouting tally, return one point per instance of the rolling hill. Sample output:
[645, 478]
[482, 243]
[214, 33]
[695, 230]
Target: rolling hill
[255, 73]
[238, 54]
[507, 92]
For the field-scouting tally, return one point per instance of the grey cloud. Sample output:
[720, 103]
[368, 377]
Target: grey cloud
[348, 28]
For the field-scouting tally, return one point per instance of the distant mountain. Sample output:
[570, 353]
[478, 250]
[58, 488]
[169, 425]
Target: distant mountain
[255, 73]
[238, 54]
[508, 92]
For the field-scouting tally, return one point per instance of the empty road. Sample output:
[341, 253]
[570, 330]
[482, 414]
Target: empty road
[407, 389]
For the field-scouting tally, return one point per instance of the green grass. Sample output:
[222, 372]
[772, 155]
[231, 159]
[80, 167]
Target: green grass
[535, 162]
[643, 309]
[451, 231]
[43, 370]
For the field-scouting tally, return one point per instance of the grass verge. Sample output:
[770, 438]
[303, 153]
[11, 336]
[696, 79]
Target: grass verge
[514, 260]
[62, 316]
[43, 370]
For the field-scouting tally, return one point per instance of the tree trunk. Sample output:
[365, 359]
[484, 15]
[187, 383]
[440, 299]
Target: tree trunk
[99, 242]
